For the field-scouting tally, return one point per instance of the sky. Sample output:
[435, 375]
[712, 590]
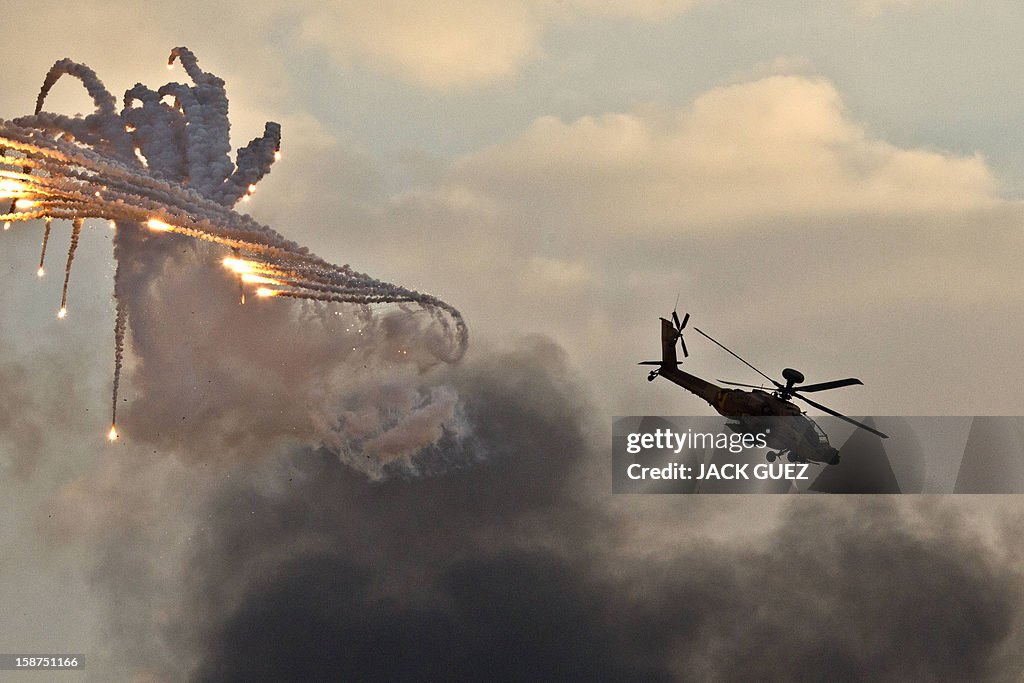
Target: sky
[832, 186]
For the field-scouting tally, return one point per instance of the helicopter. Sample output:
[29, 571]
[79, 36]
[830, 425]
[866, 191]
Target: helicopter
[798, 437]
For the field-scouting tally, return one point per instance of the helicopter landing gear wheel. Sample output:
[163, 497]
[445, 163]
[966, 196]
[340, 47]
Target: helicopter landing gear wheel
[791, 456]
[771, 455]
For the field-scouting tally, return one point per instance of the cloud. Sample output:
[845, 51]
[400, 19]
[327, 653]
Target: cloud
[757, 197]
[435, 44]
[440, 45]
[450, 44]
[780, 146]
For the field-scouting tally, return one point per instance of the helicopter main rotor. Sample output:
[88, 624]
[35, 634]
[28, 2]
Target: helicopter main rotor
[791, 390]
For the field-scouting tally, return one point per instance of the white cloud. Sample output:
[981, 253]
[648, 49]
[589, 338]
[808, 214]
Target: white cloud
[453, 43]
[436, 44]
[780, 146]
[766, 205]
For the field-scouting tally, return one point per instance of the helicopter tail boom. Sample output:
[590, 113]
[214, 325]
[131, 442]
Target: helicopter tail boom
[668, 344]
[669, 368]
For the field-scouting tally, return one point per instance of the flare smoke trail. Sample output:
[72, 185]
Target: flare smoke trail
[157, 167]
[76, 230]
[46, 238]
[120, 322]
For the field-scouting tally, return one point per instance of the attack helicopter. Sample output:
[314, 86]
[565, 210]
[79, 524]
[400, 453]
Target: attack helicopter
[757, 411]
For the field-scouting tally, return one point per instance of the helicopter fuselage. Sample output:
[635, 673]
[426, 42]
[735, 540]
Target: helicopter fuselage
[758, 411]
[754, 411]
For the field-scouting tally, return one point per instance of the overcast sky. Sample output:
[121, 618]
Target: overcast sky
[832, 186]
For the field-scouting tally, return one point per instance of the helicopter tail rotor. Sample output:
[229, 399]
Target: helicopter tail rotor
[671, 330]
[669, 335]
[678, 327]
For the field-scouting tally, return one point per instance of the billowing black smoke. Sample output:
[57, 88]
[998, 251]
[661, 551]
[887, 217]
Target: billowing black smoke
[503, 569]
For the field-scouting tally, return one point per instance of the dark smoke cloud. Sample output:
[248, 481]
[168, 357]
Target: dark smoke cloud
[853, 590]
[507, 567]
[793, 611]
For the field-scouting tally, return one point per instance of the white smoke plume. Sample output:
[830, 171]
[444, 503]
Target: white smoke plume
[162, 165]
